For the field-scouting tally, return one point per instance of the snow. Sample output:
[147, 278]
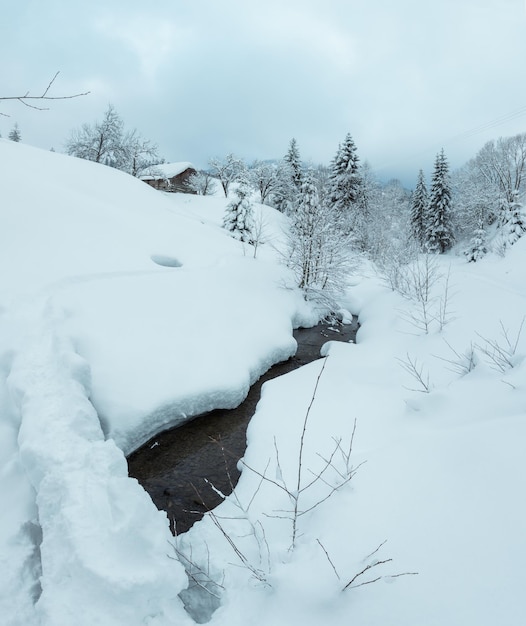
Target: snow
[124, 310]
[168, 170]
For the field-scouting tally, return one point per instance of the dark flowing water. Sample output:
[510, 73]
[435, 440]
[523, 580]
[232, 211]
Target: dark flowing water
[173, 465]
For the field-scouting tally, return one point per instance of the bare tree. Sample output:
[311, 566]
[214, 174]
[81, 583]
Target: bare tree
[227, 170]
[258, 232]
[503, 164]
[107, 142]
[495, 181]
[100, 142]
[319, 251]
[202, 183]
[139, 154]
[476, 199]
[267, 178]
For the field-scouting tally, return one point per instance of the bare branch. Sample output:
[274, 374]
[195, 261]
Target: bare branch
[350, 585]
[501, 353]
[24, 99]
[193, 571]
[267, 479]
[375, 551]
[444, 315]
[329, 559]
[417, 372]
[257, 573]
[463, 363]
[371, 566]
[322, 500]
[300, 457]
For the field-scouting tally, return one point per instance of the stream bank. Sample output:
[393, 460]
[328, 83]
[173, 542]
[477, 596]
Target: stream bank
[173, 465]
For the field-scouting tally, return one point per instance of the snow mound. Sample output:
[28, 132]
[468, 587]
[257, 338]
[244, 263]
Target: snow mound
[165, 260]
[100, 349]
[94, 532]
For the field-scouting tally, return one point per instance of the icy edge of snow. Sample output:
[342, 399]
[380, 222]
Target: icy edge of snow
[101, 535]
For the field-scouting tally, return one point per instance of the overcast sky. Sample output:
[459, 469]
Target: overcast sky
[205, 78]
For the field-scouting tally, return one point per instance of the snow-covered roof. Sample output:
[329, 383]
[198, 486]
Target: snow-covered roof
[167, 170]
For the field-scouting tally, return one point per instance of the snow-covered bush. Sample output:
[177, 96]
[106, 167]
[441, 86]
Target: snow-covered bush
[202, 183]
[319, 251]
[239, 217]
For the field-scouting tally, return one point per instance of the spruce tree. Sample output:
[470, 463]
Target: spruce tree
[419, 202]
[293, 160]
[513, 221]
[344, 177]
[14, 134]
[478, 244]
[238, 218]
[290, 178]
[437, 218]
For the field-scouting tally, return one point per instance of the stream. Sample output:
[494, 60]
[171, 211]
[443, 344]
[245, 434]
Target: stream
[173, 465]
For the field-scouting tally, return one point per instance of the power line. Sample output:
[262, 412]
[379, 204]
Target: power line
[490, 124]
[467, 134]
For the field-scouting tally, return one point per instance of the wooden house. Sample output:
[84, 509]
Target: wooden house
[169, 176]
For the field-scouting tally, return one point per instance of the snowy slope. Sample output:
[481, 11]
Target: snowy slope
[118, 313]
[442, 481]
[123, 310]
[135, 281]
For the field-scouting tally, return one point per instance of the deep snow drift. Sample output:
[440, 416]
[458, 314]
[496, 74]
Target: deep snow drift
[120, 310]
[123, 309]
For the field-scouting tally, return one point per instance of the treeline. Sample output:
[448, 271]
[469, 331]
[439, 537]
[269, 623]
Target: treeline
[477, 208]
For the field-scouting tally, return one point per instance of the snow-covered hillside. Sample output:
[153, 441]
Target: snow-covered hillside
[124, 310]
[122, 313]
[440, 476]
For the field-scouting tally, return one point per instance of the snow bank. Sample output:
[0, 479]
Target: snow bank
[99, 536]
[438, 474]
[171, 334]
[123, 311]
[143, 326]
[76, 531]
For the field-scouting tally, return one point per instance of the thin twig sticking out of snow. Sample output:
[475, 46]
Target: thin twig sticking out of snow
[370, 566]
[416, 370]
[500, 354]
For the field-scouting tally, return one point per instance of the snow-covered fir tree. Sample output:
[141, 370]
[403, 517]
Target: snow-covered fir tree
[14, 133]
[364, 208]
[478, 244]
[513, 220]
[437, 218]
[290, 174]
[293, 160]
[239, 218]
[344, 177]
[419, 202]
